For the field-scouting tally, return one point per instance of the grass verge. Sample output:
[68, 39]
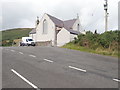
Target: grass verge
[97, 51]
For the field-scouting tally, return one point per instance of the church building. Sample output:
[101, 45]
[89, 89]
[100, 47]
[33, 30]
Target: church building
[55, 32]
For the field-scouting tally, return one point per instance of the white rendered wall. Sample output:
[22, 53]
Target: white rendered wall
[63, 37]
[33, 36]
[76, 24]
[50, 36]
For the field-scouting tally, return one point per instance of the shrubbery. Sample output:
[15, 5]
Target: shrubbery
[7, 43]
[108, 40]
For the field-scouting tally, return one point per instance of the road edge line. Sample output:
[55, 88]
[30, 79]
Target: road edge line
[27, 81]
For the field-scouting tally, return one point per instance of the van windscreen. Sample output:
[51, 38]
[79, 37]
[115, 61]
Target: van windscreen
[30, 40]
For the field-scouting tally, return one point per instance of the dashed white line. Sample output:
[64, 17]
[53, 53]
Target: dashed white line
[77, 69]
[117, 80]
[32, 56]
[20, 52]
[27, 81]
[48, 60]
[13, 50]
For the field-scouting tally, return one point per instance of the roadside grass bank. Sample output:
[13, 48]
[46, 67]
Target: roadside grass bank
[97, 51]
[107, 43]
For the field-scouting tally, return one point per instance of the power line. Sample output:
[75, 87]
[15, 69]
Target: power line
[94, 10]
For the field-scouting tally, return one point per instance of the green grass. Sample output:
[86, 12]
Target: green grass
[12, 34]
[97, 51]
[9, 35]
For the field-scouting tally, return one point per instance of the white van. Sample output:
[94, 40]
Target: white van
[27, 41]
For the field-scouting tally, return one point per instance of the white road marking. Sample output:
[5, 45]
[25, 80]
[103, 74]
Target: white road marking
[32, 55]
[117, 80]
[27, 81]
[48, 60]
[77, 69]
[20, 52]
[13, 50]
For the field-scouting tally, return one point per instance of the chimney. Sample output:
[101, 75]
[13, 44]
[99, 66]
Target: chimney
[37, 21]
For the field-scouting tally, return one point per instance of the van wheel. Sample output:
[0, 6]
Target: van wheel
[20, 44]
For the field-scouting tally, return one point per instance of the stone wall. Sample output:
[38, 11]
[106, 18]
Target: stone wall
[46, 43]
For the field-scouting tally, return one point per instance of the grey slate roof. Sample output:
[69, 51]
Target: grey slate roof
[66, 24]
[74, 32]
[57, 22]
[69, 23]
[33, 31]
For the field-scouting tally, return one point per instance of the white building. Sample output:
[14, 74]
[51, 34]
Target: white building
[52, 31]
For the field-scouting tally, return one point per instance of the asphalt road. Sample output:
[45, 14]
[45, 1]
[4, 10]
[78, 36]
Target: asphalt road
[0, 67]
[52, 67]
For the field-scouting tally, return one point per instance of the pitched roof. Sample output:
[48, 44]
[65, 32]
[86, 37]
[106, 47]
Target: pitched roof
[68, 24]
[57, 22]
[33, 31]
[74, 32]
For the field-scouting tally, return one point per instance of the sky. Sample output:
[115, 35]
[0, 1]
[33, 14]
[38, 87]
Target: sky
[23, 13]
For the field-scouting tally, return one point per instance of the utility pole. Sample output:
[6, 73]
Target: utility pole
[106, 14]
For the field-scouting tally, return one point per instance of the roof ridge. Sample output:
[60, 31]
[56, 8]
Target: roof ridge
[70, 20]
[54, 17]
[68, 24]
[57, 21]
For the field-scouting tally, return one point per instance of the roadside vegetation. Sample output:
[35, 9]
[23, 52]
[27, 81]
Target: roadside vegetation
[107, 43]
[8, 36]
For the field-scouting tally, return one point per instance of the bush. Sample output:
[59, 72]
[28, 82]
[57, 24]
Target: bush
[93, 41]
[7, 43]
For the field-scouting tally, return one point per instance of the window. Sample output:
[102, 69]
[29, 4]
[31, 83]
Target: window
[45, 27]
[26, 40]
[30, 40]
[78, 26]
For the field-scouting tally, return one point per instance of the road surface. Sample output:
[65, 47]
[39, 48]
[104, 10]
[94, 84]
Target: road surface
[52, 67]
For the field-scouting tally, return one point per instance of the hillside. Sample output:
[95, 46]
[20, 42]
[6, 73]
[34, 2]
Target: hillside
[9, 35]
[107, 43]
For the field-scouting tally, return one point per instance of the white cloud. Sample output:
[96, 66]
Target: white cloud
[21, 13]
[26, 22]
